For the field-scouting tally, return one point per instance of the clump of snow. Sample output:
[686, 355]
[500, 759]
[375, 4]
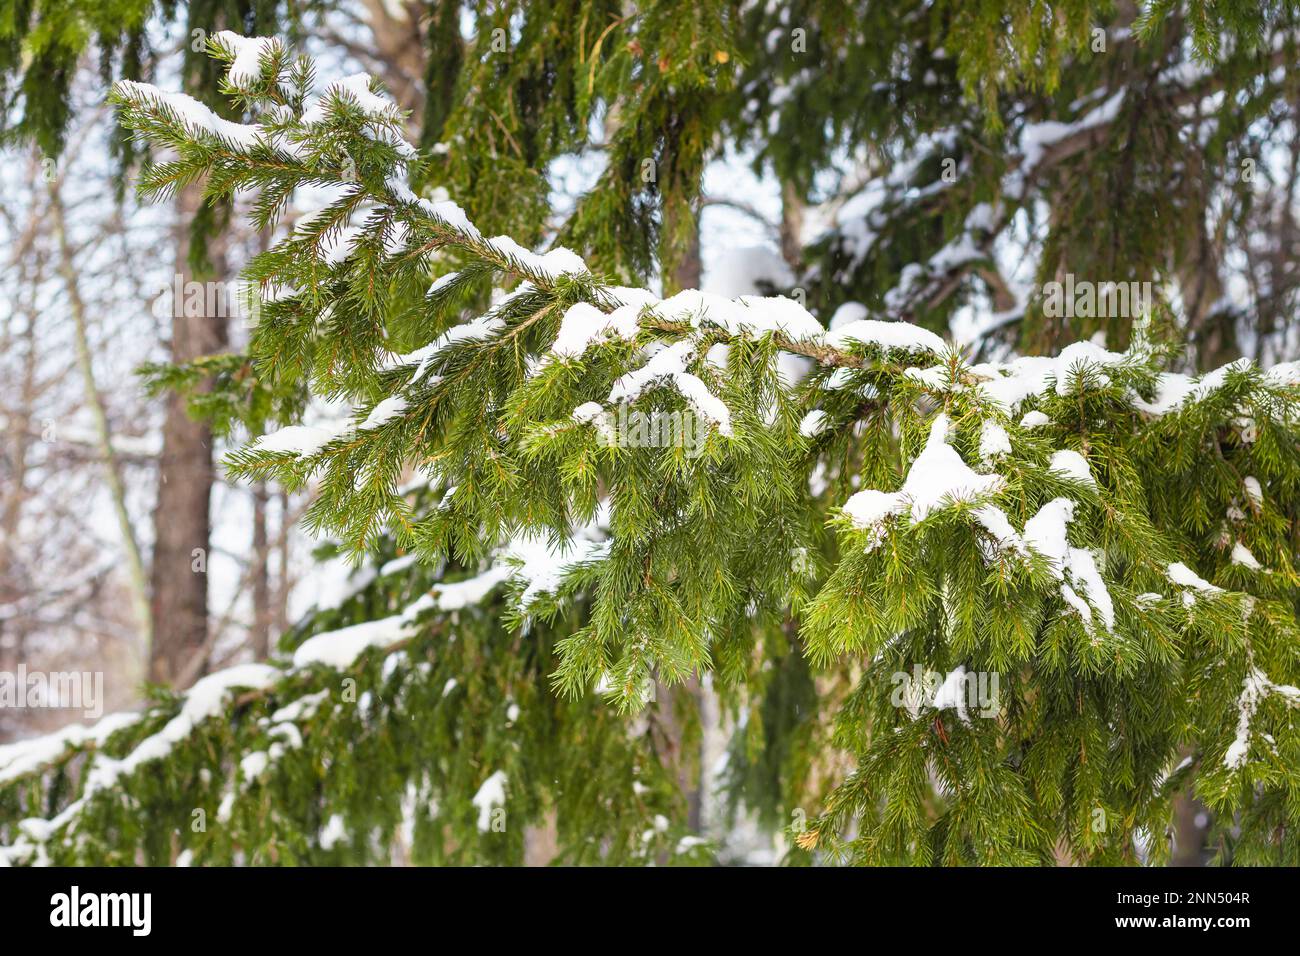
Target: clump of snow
[333, 833]
[669, 365]
[1184, 576]
[1045, 532]
[483, 327]
[549, 266]
[1255, 688]
[303, 440]
[937, 477]
[254, 764]
[1034, 419]
[951, 694]
[847, 314]
[1241, 555]
[197, 118]
[203, 701]
[340, 649]
[355, 87]
[1188, 579]
[889, 336]
[1174, 391]
[747, 315]
[813, 424]
[994, 440]
[247, 65]
[442, 282]
[491, 794]
[1011, 383]
[1083, 569]
[1037, 138]
[1253, 490]
[1283, 375]
[995, 521]
[457, 595]
[1070, 464]
[25, 756]
[542, 564]
[386, 410]
[584, 324]
[937, 378]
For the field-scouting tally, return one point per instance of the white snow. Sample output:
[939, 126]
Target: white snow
[1034, 419]
[295, 440]
[1045, 532]
[542, 564]
[1037, 138]
[340, 649]
[442, 282]
[1254, 490]
[1283, 375]
[1174, 391]
[669, 364]
[254, 764]
[457, 595]
[937, 477]
[491, 794]
[995, 521]
[1083, 568]
[1241, 555]
[748, 315]
[1184, 576]
[1255, 688]
[869, 507]
[1011, 383]
[248, 51]
[994, 440]
[550, 266]
[813, 424]
[357, 88]
[847, 314]
[1070, 464]
[889, 336]
[25, 756]
[333, 833]
[483, 327]
[937, 378]
[584, 324]
[197, 118]
[951, 694]
[203, 701]
[386, 410]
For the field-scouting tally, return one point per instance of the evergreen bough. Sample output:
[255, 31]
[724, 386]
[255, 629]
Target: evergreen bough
[1115, 542]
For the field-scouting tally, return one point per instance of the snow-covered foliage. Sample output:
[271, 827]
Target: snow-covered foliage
[1076, 524]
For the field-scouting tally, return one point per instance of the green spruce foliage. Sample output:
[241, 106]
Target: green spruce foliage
[959, 611]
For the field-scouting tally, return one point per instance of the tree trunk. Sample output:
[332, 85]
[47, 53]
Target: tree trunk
[179, 581]
[261, 571]
[116, 488]
[792, 214]
[680, 262]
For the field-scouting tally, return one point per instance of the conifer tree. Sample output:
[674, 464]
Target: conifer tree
[971, 612]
